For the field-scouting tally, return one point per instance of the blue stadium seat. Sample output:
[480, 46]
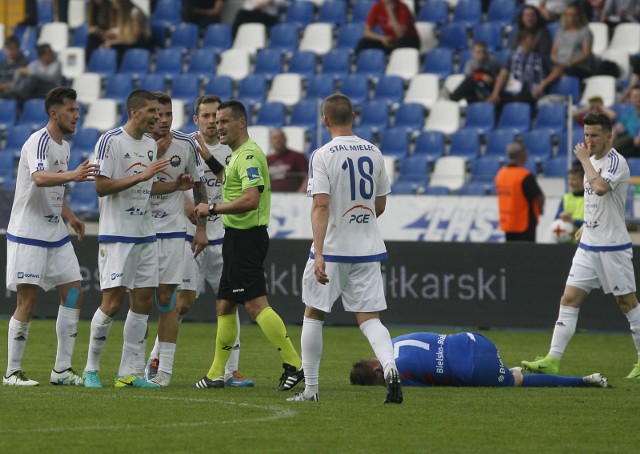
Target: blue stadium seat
[465, 143]
[221, 86]
[334, 12]
[410, 116]
[430, 143]
[217, 37]
[437, 190]
[75, 159]
[79, 36]
[490, 33]
[414, 168]
[463, 57]
[84, 141]
[497, 142]
[169, 62]
[305, 113]
[271, 114]
[268, 62]
[434, 11]
[284, 37]
[567, 86]
[336, 62]
[135, 62]
[103, 61]
[185, 87]
[33, 114]
[364, 132]
[481, 117]
[375, 114]
[119, 86]
[565, 145]
[539, 142]
[502, 55]
[201, 62]
[395, 142]
[8, 113]
[453, 36]
[349, 34]
[477, 188]
[304, 62]
[320, 86]
[532, 166]
[84, 200]
[253, 88]
[300, 14]
[515, 116]
[555, 167]
[552, 117]
[467, 13]
[45, 12]
[485, 168]
[502, 12]
[17, 135]
[184, 36]
[390, 89]
[401, 187]
[356, 87]
[438, 61]
[165, 16]
[360, 10]
[8, 162]
[634, 166]
[370, 62]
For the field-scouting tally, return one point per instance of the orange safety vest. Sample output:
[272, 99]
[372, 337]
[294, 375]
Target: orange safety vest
[513, 206]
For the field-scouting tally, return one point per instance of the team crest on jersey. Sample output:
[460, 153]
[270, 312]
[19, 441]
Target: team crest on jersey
[150, 155]
[175, 161]
[253, 173]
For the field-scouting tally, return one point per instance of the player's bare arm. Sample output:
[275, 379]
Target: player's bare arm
[599, 185]
[200, 240]
[184, 182]
[84, 172]
[76, 224]
[319, 223]
[107, 186]
[380, 205]
[248, 201]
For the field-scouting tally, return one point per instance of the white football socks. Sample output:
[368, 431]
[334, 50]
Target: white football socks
[311, 344]
[133, 347]
[67, 331]
[100, 326]
[380, 341]
[564, 330]
[17, 341]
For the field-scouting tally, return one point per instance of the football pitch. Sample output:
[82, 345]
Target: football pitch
[347, 419]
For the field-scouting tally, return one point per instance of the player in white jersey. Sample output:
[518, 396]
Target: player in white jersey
[604, 255]
[167, 211]
[128, 254]
[349, 186]
[206, 266]
[39, 252]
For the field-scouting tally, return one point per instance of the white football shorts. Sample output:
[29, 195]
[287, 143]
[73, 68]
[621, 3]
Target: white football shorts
[359, 284]
[611, 270]
[207, 267]
[170, 260]
[46, 267]
[128, 265]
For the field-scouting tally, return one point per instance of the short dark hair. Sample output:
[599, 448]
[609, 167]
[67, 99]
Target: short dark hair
[237, 108]
[363, 374]
[57, 96]
[162, 97]
[577, 170]
[601, 119]
[42, 49]
[205, 99]
[524, 33]
[138, 98]
[11, 40]
[338, 108]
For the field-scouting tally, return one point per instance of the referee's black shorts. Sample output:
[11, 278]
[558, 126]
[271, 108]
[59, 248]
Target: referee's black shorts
[243, 256]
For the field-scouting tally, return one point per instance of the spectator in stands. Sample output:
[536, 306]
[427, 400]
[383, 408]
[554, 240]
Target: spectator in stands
[635, 75]
[571, 51]
[552, 10]
[14, 60]
[594, 105]
[525, 70]
[615, 12]
[397, 24]
[38, 77]
[530, 18]
[203, 12]
[287, 168]
[99, 19]
[129, 28]
[626, 134]
[520, 199]
[571, 208]
[261, 11]
[480, 75]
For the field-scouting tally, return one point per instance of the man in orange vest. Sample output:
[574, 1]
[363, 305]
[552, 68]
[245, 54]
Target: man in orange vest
[520, 199]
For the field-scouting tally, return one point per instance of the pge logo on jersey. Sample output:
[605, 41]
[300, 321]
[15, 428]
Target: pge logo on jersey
[359, 214]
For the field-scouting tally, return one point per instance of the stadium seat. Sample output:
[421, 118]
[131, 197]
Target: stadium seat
[202, 63]
[480, 116]
[626, 36]
[356, 87]
[567, 86]
[283, 37]
[556, 167]
[375, 114]
[8, 113]
[423, 89]
[360, 10]
[56, 34]
[333, 12]
[305, 113]
[217, 37]
[438, 61]
[430, 143]
[87, 86]
[427, 33]
[452, 82]
[467, 13]
[477, 188]
[502, 12]
[271, 114]
[72, 62]
[84, 141]
[414, 168]
[184, 37]
[490, 33]
[220, 85]
[317, 37]
[401, 187]
[268, 62]
[304, 63]
[485, 168]
[296, 138]
[465, 143]
[79, 36]
[169, 62]
[250, 37]
[135, 62]
[103, 61]
[44, 12]
[371, 62]
[634, 166]
[83, 200]
[395, 142]
[28, 42]
[450, 172]
[17, 135]
[234, 63]
[336, 62]
[260, 135]
[515, 116]
[102, 114]
[566, 145]
[600, 32]
[178, 108]
[453, 36]
[77, 13]
[286, 88]
[435, 11]
[33, 114]
[365, 132]
[444, 116]
[603, 86]
[299, 14]
[253, 89]
[539, 143]
[185, 87]
[437, 190]
[320, 86]
[497, 142]
[410, 116]
[153, 82]
[166, 15]
[118, 87]
[8, 161]
[552, 117]
[390, 89]
[403, 62]
[621, 58]
[349, 34]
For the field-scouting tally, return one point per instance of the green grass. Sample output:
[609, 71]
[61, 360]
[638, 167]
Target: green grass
[348, 418]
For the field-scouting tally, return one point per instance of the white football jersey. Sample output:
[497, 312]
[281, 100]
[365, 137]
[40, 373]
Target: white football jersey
[125, 216]
[215, 230]
[36, 214]
[352, 172]
[604, 222]
[167, 210]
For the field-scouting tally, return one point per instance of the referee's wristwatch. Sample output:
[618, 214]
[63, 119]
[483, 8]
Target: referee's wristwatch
[212, 208]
